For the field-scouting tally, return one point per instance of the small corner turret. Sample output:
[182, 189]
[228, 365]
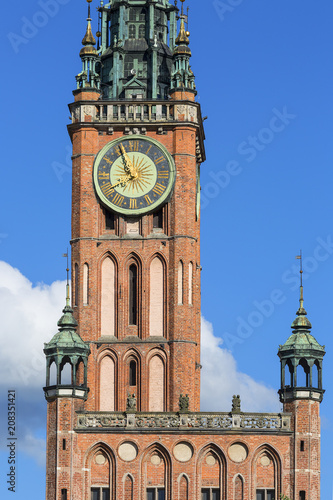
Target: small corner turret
[182, 76]
[89, 77]
[66, 359]
[301, 359]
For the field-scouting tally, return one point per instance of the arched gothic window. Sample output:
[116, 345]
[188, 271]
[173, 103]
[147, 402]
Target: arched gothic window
[107, 384]
[303, 372]
[66, 372]
[211, 474]
[128, 488]
[142, 31]
[131, 31]
[108, 298]
[142, 15]
[132, 373]
[133, 294]
[156, 384]
[238, 488]
[100, 466]
[267, 472]
[156, 313]
[316, 375]
[85, 284]
[190, 283]
[156, 470]
[53, 374]
[76, 285]
[180, 282]
[183, 487]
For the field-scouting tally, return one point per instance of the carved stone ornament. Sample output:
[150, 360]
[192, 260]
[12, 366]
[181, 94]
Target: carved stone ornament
[131, 402]
[236, 404]
[192, 111]
[248, 422]
[88, 110]
[181, 109]
[184, 403]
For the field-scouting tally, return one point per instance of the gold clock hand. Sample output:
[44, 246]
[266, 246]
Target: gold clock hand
[122, 181]
[128, 165]
[115, 185]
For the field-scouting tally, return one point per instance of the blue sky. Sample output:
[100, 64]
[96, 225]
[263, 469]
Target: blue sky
[264, 79]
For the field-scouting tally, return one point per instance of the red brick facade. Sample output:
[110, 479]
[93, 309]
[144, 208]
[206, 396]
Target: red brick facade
[131, 454]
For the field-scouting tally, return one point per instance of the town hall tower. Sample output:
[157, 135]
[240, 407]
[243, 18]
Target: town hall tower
[123, 371]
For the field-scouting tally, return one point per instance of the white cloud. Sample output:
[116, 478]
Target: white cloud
[220, 379]
[29, 316]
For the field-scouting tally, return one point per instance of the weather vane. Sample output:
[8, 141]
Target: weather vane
[89, 2]
[67, 285]
[300, 258]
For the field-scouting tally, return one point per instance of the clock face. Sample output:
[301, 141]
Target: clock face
[134, 176]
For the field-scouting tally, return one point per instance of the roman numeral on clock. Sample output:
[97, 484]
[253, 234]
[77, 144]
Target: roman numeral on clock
[159, 189]
[148, 200]
[107, 189]
[134, 145]
[133, 203]
[118, 200]
[103, 175]
[159, 160]
[163, 174]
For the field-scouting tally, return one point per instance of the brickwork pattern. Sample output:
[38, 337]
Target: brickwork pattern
[91, 457]
[209, 466]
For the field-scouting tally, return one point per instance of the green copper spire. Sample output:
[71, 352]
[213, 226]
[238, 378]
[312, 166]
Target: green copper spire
[301, 352]
[89, 76]
[301, 326]
[67, 348]
[182, 76]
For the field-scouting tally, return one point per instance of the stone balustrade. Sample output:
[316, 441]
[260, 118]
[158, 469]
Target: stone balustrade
[134, 111]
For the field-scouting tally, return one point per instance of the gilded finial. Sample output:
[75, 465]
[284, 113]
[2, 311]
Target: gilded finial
[89, 37]
[182, 38]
